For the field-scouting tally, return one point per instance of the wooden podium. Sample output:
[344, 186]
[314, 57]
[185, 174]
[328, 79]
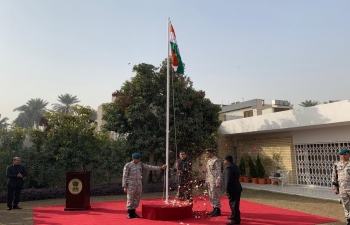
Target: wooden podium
[77, 191]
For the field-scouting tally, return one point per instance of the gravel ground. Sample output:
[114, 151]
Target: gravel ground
[319, 207]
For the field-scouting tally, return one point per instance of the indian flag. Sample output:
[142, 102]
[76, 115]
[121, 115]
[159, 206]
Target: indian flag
[175, 53]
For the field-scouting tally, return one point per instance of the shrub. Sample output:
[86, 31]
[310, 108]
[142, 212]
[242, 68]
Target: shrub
[260, 170]
[242, 166]
[33, 194]
[252, 169]
[268, 165]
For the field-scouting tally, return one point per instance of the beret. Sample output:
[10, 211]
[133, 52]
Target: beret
[136, 156]
[343, 151]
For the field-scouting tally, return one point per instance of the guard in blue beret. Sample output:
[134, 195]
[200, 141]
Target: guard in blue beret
[132, 182]
[341, 181]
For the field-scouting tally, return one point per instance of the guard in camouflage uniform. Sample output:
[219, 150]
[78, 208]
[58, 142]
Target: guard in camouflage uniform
[132, 182]
[341, 181]
[213, 176]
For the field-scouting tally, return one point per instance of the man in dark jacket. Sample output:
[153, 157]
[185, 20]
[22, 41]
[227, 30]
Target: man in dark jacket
[233, 189]
[183, 167]
[15, 173]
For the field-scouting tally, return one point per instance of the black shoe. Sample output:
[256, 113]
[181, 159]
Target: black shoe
[217, 212]
[16, 207]
[211, 212]
[233, 222]
[134, 214]
[130, 214]
[9, 208]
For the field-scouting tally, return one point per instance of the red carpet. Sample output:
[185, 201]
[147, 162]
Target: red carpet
[115, 213]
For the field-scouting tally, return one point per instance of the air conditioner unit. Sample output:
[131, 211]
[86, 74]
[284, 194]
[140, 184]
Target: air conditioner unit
[275, 102]
[279, 102]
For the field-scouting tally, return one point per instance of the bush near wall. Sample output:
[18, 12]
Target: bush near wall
[33, 194]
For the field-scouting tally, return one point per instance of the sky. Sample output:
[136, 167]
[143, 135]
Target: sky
[233, 50]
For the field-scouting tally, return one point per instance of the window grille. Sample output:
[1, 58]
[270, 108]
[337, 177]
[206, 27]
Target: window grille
[315, 162]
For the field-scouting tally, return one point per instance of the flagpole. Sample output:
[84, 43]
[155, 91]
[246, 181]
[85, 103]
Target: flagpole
[167, 119]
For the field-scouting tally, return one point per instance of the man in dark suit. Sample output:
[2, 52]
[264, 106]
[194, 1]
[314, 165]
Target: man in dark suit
[183, 166]
[15, 173]
[233, 189]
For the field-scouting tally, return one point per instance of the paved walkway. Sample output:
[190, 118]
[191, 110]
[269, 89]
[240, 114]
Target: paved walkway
[307, 191]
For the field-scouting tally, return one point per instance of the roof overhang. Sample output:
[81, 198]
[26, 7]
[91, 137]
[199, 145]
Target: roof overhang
[326, 115]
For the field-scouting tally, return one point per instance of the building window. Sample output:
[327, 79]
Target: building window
[248, 113]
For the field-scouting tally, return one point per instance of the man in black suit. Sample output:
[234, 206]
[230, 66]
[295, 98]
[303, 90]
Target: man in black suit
[183, 167]
[233, 189]
[15, 173]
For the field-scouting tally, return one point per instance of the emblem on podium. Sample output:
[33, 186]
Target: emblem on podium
[75, 186]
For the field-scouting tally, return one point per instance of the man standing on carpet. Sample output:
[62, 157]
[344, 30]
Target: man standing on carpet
[233, 189]
[183, 167]
[15, 173]
[132, 182]
[213, 172]
[341, 180]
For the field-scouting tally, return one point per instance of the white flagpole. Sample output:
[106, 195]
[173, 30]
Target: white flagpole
[167, 119]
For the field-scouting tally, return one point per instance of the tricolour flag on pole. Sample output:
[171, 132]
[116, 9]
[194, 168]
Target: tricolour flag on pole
[175, 53]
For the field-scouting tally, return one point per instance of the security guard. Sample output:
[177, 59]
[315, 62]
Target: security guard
[341, 181]
[213, 180]
[132, 182]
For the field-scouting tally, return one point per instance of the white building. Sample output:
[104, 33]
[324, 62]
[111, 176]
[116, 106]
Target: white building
[308, 139]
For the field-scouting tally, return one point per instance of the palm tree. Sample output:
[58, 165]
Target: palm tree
[3, 122]
[66, 101]
[31, 113]
[309, 103]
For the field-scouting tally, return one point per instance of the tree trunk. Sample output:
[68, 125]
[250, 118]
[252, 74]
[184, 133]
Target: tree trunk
[147, 172]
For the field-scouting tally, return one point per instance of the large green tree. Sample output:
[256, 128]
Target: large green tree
[65, 102]
[69, 142]
[31, 113]
[71, 137]
[139, 114]
[41, 162]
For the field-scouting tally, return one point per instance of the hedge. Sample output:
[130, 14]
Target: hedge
[33, 194]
